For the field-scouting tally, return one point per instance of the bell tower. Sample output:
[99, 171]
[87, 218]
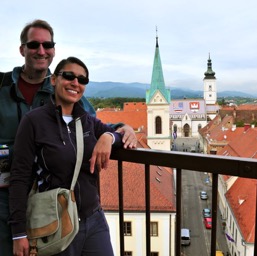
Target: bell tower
[158, 104]
[210, 90]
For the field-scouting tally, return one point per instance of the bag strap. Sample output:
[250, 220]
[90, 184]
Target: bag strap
[80, 150]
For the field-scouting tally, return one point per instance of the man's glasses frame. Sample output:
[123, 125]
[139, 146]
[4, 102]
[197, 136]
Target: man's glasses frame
[36, 44]
[70, 76]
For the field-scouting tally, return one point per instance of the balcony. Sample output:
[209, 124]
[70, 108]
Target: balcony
[233, 166]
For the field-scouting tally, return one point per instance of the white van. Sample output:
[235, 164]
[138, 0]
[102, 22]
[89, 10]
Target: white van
[185, 236]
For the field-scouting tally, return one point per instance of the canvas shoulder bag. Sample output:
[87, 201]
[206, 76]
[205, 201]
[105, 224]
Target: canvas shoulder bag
[52, 217]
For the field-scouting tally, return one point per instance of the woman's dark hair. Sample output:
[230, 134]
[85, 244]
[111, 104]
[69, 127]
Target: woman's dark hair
[70, 60]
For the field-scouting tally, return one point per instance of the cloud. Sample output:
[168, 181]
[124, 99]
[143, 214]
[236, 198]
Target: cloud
[117, 38]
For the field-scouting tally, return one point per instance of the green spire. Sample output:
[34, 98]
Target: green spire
[157, 82]
[209, 74]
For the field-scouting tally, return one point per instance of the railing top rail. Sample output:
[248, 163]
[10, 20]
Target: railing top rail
[227, 165]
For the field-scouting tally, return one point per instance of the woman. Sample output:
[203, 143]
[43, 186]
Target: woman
[47, 134]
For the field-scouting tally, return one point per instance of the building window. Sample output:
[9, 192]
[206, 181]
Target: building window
[175, 127]
[127, 253]
[154, 254]
[186, 130]
[154, 228]
[199, 127]
[127, 228]
[210, 88]
[158, 125]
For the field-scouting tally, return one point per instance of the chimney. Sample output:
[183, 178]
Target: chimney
[233, 127]
[241, 199]
[246, 127]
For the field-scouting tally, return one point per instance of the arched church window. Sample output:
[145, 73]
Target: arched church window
[186, 129]
[158, 125]
[175, 128]
[199, 127]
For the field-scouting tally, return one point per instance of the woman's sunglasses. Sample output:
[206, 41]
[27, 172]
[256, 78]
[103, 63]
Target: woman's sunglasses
[36, 44]
[70, 76]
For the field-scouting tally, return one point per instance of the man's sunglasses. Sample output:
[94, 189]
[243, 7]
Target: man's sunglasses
[70, 76]
[36, 44]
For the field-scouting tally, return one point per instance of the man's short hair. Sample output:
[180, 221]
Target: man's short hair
[35, 24]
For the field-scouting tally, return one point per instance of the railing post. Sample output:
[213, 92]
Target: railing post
[178, 211]
[147, 209]
[214, 213]
[232, 166]
[121, 207]
[255, 243]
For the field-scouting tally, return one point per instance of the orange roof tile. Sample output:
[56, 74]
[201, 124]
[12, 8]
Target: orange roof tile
[241, 197]
[162, 198]
[242, 145]
[161, 189]
[134, 115]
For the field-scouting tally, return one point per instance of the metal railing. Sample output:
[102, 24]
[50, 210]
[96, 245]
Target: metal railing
[234, 166]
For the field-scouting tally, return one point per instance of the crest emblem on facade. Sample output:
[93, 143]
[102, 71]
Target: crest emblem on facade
[194, 106]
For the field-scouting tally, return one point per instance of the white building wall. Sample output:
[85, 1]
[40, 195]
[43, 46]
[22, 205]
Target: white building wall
[158, 141]
[163, 243]
[222, 189]
[193, 127]
[210, 92]
[238, 247]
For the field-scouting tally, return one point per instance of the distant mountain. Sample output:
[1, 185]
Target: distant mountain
[226, 94]
[116, 89]
[138, 90]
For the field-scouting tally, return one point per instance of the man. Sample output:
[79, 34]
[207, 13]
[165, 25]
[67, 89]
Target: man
[23, 89]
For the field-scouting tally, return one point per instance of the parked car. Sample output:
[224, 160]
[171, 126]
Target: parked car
[203, 195]
[207, 222]
[206, 212]
[185, 236]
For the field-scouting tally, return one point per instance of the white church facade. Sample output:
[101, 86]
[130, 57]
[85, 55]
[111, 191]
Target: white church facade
[187, 117]
[169, 119]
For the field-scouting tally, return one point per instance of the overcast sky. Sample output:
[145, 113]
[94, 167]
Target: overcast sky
[116, 38]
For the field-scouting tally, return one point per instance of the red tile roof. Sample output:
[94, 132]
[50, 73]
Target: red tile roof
[241, 198]
[162, 197]
[247, 107]
[161, 179]
[134, 114]
[243, 144]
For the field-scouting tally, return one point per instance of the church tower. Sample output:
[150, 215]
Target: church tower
[210, 91]
[158, 103]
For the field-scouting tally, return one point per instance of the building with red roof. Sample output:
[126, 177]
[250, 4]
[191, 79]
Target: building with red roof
[238, 195]
[162, 189]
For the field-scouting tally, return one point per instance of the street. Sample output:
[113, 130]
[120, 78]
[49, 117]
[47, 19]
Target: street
[192, 207]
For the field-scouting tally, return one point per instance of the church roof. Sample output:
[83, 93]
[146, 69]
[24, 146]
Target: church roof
[209, 74]
[157, 82]
[187, 106]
